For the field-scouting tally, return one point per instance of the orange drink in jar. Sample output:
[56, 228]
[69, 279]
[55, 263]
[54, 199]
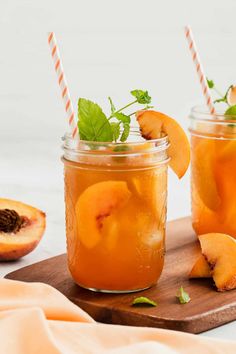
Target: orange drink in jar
[213, 181]
[115, 198]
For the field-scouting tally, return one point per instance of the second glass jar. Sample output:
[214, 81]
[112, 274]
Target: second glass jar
[213, 181]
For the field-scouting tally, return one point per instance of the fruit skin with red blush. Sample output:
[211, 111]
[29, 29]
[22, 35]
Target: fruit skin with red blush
[21, 228]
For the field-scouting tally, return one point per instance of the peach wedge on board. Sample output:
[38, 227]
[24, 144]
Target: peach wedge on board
[220, 252]
[201, 268]
[21, 228]
[218, 260]
[154, 125]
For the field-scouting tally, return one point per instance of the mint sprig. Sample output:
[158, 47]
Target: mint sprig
[94, 125]
[223, 97]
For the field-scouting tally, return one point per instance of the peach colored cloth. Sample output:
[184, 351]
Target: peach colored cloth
[35, 318]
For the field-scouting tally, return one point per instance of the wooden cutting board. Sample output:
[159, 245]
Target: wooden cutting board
[207, 308]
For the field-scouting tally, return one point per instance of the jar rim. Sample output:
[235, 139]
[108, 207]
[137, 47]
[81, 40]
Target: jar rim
[115, 148]
[201, 113]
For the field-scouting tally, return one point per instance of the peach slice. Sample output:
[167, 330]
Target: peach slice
[201, 268]
[228, 152]
[154, 125]
[95, 204]
[231, 96]
[220, 252]
[21, 228]
[203, 174]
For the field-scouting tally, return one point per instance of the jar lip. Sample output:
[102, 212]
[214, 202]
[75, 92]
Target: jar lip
[134, 131]
[201, 113]
[116, 148]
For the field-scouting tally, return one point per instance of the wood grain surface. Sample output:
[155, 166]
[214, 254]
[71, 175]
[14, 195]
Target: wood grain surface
[206, 310]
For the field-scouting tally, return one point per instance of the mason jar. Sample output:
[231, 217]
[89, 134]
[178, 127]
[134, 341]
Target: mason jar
[115, 197]
[213, 172]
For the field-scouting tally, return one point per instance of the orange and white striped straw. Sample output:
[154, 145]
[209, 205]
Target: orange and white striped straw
[62, 83]
[199, 68]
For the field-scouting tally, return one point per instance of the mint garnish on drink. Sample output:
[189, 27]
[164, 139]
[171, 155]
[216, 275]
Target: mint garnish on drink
[95, 125]
[229, 98]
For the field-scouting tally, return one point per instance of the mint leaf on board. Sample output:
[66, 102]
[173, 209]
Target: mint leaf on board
[122, 117]
[125, 133]
[141, 96]
[183, 296]
[231, 111]
[115, 127]
[113, 108]
[93, 124]
[144, 301]
[210, 83]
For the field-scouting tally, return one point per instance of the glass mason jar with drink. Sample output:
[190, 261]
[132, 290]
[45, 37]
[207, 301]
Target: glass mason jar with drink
[213, 151]
[115, 188]
[115, 212]
[115, 194]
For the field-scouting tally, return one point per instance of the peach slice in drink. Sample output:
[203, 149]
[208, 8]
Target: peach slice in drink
[203, 173]
[228, 152]
[94, 205]
[154, 125]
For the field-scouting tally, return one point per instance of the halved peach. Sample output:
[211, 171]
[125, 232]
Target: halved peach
[203, 175]
[94, 205]
[201, 268]
[21, 228]
[154, 125]
[220, 252]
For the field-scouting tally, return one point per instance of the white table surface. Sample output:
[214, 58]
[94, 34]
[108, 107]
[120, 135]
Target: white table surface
[108, 48]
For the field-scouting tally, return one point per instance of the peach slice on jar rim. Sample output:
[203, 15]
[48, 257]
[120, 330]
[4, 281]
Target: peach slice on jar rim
[220, 252]
[154, 125]
[231, 96]
[94, 205]
[21, 228]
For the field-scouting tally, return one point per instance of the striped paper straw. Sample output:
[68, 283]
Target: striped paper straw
[199, 68]
[62, 83]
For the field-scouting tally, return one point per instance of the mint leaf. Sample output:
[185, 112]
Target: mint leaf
[231, 111]
[125, 133]
[143, 301]
[122, 117]
[121, 148]
[141, 96]
[210, 83]
[115, 127]
[113, 108]
[183, 296]
[93, 124]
